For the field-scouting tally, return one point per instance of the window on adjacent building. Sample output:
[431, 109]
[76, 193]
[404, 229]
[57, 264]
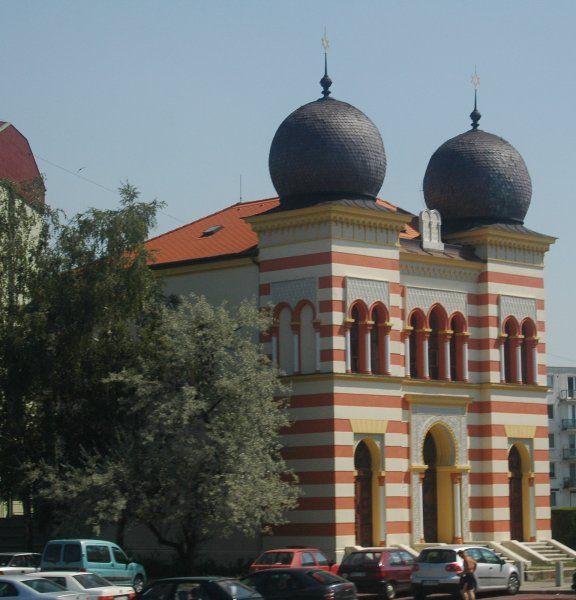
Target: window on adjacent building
[550, 381]
[551, 440]
[553, 498]
[571, 386]
[550, 411]
[552, 471]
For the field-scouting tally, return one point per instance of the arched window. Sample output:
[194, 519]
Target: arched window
[457, 350]
[379, 341]
[307, 339]
[437, 323]
[415, 345]
[529, 352]
[285, 341]
[509, 354]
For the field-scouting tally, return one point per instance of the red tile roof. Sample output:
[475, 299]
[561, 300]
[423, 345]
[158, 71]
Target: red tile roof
[231, 237]
[17, 163]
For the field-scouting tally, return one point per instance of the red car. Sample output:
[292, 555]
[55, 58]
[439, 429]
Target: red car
[292, 557]
[384, 571]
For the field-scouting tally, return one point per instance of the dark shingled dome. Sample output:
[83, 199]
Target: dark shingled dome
[478, 177]
[326, 150]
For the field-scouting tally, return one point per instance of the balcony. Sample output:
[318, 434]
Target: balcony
[568, 424]
[569, 482]
[567, 395]
[569, 453]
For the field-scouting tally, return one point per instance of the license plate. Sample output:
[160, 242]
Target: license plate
[357, 574]
[430, 582]
[120, 597]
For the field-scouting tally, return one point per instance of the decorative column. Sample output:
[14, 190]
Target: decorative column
[347, 326]
[464, 336]
[421, 475]
[456, 485]
[317, 340]
[502, 349]
[407, 331]
[532, 500]
[386, 328]
[382, 507]
[444, 346]
[366, 360]
[296, 344]
[516, 349]
[532, 344]
[423, 335]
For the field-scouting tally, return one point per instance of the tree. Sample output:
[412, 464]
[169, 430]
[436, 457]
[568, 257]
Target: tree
[203, 458]
[71, 292]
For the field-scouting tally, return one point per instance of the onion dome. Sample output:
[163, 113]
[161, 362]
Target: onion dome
[18, 166]
[326, 150]
[477, 178]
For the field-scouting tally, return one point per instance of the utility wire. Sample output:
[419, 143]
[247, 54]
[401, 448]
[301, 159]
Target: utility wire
[115, 192]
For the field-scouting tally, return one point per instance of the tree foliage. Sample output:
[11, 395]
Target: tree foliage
[203, 454]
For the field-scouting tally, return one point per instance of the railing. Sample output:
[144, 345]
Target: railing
[568, 423]
[569, 453]
[567, 394]
[569, 482]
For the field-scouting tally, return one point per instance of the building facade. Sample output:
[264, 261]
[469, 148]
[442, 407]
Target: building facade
[562, 435]
[414, 345]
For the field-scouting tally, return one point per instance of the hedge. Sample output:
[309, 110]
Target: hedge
[564, 526]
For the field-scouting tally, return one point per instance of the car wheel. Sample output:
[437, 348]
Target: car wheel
[389, 590]
[513, 585]
[138, 583]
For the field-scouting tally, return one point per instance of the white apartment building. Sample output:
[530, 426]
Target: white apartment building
[562, 435]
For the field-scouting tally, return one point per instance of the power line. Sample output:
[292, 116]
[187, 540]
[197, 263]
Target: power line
[115, 192]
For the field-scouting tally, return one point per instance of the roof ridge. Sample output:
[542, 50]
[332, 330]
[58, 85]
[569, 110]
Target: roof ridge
[171, 231]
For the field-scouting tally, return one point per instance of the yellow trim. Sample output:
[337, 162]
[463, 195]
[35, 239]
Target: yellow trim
[438, 399]
[418, 468]
[443, 261]
[520, 431]
[324, 212]
[374, 426]
[490, 235]
[215, 265]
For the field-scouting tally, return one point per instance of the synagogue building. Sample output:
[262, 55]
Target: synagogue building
[414, 344]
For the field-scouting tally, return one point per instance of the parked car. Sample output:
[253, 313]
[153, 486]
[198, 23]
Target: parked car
[437, 569]
[92, 585]
[300, 583]
[292, 557]
[95, 556]
[19, 562]
[384, 571]
[198, 588]
[32, 587]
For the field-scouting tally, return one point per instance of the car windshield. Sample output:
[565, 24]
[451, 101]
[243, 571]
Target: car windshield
[5, 559]
[437, 556]
[275, 558]
[324, 577]
[43, 586]
[91, 580]
[236, 589]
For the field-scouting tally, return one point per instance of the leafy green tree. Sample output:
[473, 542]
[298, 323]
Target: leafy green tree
[203, 457]
[71, 292]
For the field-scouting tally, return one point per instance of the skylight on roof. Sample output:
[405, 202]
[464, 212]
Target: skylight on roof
[211, 230]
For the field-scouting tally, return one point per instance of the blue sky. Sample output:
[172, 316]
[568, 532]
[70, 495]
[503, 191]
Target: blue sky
[183, 98]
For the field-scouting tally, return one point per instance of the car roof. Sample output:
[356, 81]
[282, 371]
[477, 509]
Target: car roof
[59, 573]
[287, 570]
[22, 577]
[454, 547]
[19, 553]
[81, 540]
[299, 549]
[199, 578]
[374, 550]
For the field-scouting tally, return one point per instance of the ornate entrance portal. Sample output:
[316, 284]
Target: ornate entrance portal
[363, 495]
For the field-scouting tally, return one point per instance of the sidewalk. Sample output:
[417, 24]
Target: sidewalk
[547, 586]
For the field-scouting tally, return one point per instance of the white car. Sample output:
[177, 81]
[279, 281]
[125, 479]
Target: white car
[33, 587]
[93, 586]
[19, 562]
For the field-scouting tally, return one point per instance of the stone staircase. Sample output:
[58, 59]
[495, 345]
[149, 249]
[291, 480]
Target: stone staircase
[549, 551]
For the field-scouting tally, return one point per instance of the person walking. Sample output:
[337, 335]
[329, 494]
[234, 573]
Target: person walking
[467, 579]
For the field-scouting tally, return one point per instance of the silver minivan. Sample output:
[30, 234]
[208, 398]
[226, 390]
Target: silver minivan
[438, 568]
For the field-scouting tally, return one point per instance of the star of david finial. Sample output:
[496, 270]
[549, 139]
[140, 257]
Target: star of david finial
[475, 114]
[325, 82]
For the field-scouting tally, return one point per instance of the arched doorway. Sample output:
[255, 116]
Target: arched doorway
[516, 496]
[364, 517]
[438, 454]
[430, 490]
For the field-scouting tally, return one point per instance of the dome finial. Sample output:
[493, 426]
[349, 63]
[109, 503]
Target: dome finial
[325, 82]
[475, 114]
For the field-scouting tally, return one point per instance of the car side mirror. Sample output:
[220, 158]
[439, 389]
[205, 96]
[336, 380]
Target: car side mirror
[502, 561]
[331, 563]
